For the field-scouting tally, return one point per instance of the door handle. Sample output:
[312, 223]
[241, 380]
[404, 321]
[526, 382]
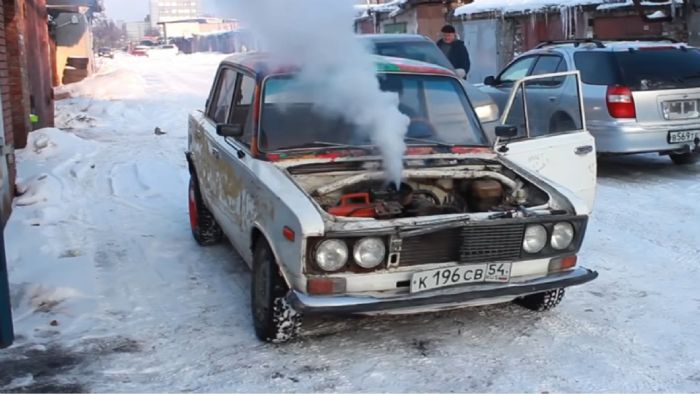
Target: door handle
[584, 150]
[552, 98]
[215, 152]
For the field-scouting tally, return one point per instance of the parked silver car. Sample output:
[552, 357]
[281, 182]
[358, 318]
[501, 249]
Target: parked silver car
[640, 96]
[422, 49]
[306, 203]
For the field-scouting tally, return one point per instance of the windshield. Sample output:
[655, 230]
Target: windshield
[437, 106]
[421, 51]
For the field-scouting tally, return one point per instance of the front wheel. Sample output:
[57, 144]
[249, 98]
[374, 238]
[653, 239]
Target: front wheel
[541, 302]
[685, 158]
[274, 319]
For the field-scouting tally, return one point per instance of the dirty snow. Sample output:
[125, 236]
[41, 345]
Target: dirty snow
[111, 294]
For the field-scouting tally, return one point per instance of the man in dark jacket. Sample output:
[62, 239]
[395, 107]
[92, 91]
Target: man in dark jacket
[454, 49]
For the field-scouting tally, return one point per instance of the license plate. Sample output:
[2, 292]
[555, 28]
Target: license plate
[679, 137]
[473, 273]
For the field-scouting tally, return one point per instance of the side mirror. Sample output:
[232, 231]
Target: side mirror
[506, 132]
[461, 73]
[229, 130]
[490, 80]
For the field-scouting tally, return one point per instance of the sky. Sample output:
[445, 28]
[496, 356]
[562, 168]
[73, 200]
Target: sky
[136, 10]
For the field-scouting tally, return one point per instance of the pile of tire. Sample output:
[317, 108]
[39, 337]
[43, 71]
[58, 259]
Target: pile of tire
[76, 69]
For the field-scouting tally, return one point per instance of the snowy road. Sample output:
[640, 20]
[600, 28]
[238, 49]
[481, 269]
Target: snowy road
[111, 293]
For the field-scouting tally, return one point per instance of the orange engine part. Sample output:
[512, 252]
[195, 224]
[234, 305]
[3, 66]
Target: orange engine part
[355, 205]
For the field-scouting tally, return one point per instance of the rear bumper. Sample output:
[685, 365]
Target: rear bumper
[633, 138]
[438, 299]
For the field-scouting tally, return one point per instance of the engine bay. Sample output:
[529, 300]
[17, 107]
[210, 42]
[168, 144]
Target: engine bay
[423, 192]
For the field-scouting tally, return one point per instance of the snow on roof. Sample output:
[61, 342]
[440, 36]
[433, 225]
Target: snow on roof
[392, 7]
[510, 6]
[629, 3]
[525, 6]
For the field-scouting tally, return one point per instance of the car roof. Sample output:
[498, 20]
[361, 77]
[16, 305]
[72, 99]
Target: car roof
[263, 65]
[393, 37]
[606, 46]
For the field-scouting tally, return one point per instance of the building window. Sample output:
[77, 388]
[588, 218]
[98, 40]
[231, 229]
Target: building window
[394, 28]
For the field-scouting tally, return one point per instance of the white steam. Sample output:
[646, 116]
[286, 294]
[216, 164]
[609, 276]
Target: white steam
[337, 71]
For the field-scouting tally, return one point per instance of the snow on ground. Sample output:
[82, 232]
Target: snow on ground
[110, 292]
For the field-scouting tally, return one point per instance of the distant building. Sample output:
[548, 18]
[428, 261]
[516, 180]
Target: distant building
[136, 31]
[186, 28]
[171, 10]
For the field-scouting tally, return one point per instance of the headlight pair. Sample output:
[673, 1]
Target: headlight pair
[536, 237]
[332, 254]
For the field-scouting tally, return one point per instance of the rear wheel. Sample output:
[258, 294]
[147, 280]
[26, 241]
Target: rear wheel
[685, 158]
[274, 319]
[541, 302]
[205, 230]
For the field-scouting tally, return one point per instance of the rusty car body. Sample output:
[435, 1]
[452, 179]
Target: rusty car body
[470, 224]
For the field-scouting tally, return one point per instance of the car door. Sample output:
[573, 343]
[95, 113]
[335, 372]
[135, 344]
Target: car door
[235, 159]
[547, 95]
[205, 147]
[566, 158]
[501, 88]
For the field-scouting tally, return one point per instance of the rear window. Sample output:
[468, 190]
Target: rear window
[422, 51]
[597, 68]
[652, 68]
[660, 68]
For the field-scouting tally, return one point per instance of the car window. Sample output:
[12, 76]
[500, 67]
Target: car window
[437, 106]
[546, 65]
[241, 113]
[517, 70]
[597, 68]
[223, 97]
[657, 68]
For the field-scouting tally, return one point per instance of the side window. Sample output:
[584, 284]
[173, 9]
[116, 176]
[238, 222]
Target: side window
[223, 97]
[548, 64]
[243, 104]
[517, 70]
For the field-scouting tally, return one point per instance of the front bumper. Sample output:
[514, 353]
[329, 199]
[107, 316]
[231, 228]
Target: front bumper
[624, 138]
[437, 299]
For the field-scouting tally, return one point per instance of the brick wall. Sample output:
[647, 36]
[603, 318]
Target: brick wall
[17, 70]
[8, 180]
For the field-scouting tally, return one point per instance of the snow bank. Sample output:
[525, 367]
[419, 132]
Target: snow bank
[109, 85]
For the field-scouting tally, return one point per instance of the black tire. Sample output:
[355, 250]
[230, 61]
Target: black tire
[205, 229]
[561, 122]
[541, 302]
[682, 159]
[274, 319]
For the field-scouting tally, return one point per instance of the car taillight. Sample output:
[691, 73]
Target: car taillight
[620, 102]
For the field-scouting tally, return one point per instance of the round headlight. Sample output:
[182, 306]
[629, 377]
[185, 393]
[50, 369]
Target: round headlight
[562, 235]
[331, 255]
[369, 252]
[535, 238]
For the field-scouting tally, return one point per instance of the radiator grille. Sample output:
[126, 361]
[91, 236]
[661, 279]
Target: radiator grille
[470, 244]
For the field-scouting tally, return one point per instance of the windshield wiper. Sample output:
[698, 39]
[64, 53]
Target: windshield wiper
[429, 141]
